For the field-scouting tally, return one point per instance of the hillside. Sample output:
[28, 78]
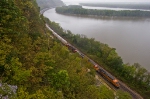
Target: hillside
[35, 65]
[49, 3]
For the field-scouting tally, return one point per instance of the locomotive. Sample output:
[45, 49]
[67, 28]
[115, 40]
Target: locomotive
[107, 76]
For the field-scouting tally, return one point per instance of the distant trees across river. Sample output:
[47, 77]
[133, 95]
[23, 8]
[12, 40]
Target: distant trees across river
[78, 10]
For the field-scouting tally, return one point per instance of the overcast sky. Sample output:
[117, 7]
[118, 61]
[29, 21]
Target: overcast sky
[107, 0]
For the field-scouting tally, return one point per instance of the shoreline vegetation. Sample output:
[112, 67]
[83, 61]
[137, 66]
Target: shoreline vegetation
[135, 76]
[78, 10]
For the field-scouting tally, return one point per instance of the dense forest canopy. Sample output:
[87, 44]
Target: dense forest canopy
[35, 65]
[78, 10]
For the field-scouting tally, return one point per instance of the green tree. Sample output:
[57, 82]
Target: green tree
[105, 93]
[60, 80]
[123, 95]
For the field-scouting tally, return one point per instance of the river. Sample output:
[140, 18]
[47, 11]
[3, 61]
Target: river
[130, 36]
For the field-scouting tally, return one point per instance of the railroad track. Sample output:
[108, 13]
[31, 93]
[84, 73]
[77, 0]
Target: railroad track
[127, 89]
[122, 85]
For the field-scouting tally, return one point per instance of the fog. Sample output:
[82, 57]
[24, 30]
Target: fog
[106, 0]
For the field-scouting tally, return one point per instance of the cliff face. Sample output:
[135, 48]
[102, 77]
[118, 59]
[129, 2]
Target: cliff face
[49, 3]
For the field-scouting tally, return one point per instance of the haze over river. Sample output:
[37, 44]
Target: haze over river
[130, 37]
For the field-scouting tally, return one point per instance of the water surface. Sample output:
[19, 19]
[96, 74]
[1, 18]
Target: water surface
[130, 36]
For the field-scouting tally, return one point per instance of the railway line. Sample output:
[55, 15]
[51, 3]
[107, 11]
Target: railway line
[121, 86]
[127, 89]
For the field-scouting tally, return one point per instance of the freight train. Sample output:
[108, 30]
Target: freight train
[99, 70]
[107, 76]
[72, 48]
[63, 41]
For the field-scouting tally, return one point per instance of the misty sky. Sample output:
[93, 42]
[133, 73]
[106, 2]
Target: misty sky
[107, 0]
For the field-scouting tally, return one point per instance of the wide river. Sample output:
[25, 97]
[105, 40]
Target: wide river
[130, 36]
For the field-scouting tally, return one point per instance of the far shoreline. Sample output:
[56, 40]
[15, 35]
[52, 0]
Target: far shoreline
[106, 17]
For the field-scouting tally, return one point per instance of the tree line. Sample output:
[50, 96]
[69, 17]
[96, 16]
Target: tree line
[78, 10]
[137, 77]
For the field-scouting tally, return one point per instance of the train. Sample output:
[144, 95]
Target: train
[72, 48]
[98, 69]
[107, 76]
[63, 41]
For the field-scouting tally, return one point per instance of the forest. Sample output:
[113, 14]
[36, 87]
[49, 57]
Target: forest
[78, 10]
[135, 76]
[35, 65]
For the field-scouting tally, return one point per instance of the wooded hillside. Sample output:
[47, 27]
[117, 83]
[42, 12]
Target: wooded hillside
[35, 65]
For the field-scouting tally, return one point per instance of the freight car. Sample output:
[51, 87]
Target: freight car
[107, 76]
[60, 38]
[73, 49]
[70, 47]
[82, 55]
